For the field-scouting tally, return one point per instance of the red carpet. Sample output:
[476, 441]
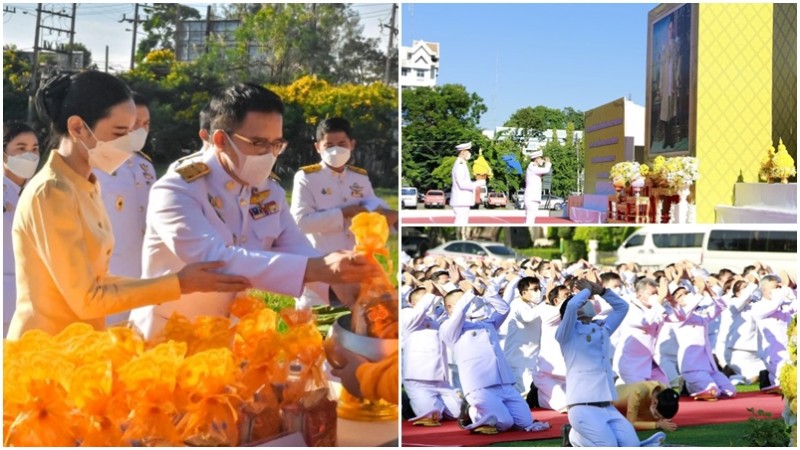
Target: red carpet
[691, 413]
[484, 220]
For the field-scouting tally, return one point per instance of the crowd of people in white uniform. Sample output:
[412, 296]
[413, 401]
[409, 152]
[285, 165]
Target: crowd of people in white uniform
[481, 340]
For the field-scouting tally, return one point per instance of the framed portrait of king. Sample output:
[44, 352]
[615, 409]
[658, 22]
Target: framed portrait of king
[671, 106]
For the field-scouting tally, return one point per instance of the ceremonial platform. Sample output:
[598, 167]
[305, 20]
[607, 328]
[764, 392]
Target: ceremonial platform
[760, 203]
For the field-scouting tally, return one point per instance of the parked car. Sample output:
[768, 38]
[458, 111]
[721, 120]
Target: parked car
[408, 197]
[473, 250]
[435, 199]
[496, 200]
[556, 203]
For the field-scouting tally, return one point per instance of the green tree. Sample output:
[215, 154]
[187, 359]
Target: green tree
[161, 25]
[435, 120]
[567, 162]
[609, 238]
[535, 120]
[574, 116]
[16, 84]
[441, 177]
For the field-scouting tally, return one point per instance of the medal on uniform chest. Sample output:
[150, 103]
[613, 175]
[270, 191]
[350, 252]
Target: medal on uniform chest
[8, 207]
[327, 191]
[120, 203]
[146, 171]
[261, 211]
[215, 202]
[257, 198]
[356, 190]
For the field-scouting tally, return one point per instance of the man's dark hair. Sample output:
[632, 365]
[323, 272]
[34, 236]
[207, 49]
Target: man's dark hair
[553, 294]
[229, 108]
[205, 118]
[667, 403]
[563, 308]
[140, 100]
[416, 294]
[526, 283]
[333, 125]
[605, 277]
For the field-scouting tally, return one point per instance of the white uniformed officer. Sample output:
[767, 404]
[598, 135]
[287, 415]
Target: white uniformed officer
[590, 382]
[486, 379]
[221, 205]
[462, 193]
[425, 371]
[125, 193]
[523, 330]
[533, 185]
[326, 196]
[772, 315]
[20, 158]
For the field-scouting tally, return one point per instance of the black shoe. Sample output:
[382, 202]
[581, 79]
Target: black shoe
[763, 379]
[463, 417]
[533, 397]
[565, 429]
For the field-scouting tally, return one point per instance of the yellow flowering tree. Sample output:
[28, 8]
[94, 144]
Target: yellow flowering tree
[371, 110]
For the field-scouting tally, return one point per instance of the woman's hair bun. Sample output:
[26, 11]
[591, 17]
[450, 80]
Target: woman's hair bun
[50, 96]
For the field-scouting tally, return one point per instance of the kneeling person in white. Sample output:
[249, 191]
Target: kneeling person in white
[486, 378]
[425, 371]
[590, 382]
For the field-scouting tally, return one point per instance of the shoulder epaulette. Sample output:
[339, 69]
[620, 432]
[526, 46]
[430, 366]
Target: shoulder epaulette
[145, 156]
[193, 171]
[312, 168]
[274, 177]
[357, 170]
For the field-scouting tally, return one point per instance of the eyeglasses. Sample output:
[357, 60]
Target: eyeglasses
[276, 147]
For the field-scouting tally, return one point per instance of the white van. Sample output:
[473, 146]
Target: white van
[713, 246]
[734, 248]
[408, 197]
[660, 245]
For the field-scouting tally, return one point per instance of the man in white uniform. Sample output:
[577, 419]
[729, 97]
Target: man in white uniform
[462, 193]
[533, 185]
[772, 315]
[486, 378]
[222, 205]
[125, 194]
[523, 330]
[740, 343]
[326, 196]
[425, 371]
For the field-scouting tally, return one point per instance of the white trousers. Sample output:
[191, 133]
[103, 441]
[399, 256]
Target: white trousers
[531, 208]
[552, 391]
[699, 381]
[428, 397]
[600, 427]
[499, 405]
[462, 215]
[746, 363]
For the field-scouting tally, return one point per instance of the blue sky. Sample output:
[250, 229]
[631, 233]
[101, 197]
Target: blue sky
[97, 25]
[518, 55]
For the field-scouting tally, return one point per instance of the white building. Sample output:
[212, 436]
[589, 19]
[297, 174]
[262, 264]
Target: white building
[535, 142]
[419, 64]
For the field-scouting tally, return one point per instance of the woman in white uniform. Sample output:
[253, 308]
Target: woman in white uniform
[533, 185]
[20, 158]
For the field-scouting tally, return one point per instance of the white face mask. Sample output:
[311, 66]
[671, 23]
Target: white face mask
[252, 169]
[468, 157]
[335, 156]
[110, 155]
[617, 290]
[23, 165]
[653, 299]
[536, 297]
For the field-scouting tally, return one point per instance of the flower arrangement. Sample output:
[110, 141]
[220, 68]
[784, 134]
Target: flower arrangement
[765, 173]
[625, 172]
[679, 172]
[782, 163]
[788, 382]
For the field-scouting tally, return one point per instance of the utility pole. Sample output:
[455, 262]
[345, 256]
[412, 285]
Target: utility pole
[135, 22]
[35, 70]
[106, 59]
[392, 31]
[72, 37]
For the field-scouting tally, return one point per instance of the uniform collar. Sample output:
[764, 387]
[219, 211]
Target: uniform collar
[9, 184]
[326, 168]
[59, 166]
